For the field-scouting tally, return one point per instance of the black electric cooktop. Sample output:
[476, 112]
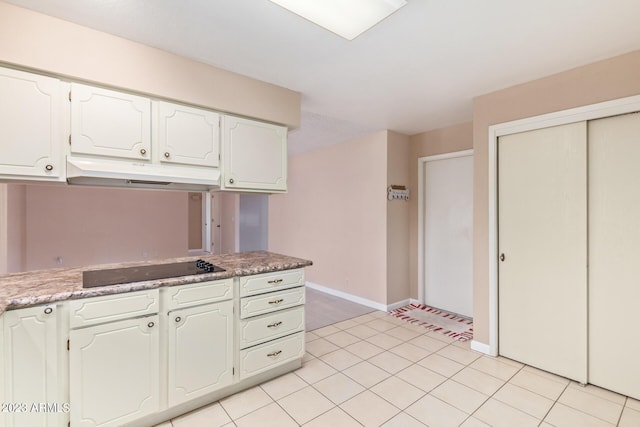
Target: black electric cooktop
[116, 276]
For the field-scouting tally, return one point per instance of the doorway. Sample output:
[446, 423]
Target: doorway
[445, 231]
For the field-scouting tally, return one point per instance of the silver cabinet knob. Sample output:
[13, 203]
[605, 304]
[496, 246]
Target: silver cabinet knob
[48, 310]
[49, 168]
[178, 319]
[167, 154]
[502, 257]
[231, 181]
[151, 324]
[143, 151]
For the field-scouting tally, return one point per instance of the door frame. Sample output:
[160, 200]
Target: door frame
[588, 112]
[422, 164]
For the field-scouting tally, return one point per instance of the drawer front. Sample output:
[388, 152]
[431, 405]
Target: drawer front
[263, 357]
[257, 330]
[268, 282]
[273, 301]
[91, 311]
[197, 293]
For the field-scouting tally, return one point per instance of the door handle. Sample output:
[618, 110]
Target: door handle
[502, 257]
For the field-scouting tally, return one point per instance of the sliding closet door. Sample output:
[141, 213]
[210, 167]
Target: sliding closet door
[542, 242]
[614, 253]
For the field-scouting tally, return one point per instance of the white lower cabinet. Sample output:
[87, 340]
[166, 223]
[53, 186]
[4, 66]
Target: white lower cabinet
[136, 357]
[200, 354]
[114, 371]
[31, 357]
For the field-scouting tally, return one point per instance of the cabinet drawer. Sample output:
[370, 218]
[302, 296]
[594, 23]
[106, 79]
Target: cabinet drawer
[197, 293]
[267, 303]
[263, 357]
[267, 327]
[261, 283]
[91, 311]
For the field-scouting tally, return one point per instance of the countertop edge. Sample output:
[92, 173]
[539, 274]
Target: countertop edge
[276, 262]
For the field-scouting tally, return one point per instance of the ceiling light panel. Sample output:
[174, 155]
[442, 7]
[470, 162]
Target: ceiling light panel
[346, 18]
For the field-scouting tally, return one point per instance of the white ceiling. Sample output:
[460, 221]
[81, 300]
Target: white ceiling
[417, 70]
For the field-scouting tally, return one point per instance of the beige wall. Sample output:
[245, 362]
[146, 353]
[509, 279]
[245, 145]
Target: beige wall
[335, 214]
[88, 226]
[16, 230]
[398, 220]
[39, 42]
[446, 140]
[601, 81]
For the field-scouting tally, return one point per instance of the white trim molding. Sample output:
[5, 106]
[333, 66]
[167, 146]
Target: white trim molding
[589, 112]
[357, 299]
[421, 171]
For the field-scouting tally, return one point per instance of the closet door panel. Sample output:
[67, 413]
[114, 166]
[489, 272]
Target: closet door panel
[543, 236]
[614, 253]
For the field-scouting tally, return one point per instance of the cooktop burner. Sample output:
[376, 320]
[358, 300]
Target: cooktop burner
[116, 276]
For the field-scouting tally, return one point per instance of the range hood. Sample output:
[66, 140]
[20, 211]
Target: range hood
[118, 173]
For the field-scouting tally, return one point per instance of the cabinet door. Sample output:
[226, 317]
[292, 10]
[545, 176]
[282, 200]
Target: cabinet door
[254, 155]
[187, 135]
[114, 370]
[109, 123]
[31, 366]
[200, 350]
[30, 132]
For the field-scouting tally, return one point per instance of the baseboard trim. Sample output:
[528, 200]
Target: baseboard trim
[399, 304]
[481, 347]
[348, 297]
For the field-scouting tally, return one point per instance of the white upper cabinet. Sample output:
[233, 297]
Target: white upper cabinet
[187, 135]
[254, 156]
[109, 123]
[30, 134]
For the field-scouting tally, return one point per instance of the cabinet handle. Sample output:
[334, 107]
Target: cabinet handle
[49, 168]
[275, 353]
[274, 325]
[231, 181]
[178, 319]
[151, 324]
[273, 282]
[48, 310]
[167, 154]
[143, 151]
[277, 301]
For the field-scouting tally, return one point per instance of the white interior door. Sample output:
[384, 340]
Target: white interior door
[614, 252]
[542, 214]
[448, 230]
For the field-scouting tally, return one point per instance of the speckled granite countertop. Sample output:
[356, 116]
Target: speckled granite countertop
[46, 286]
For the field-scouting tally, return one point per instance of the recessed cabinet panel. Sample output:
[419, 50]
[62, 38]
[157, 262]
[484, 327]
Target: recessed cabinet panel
[31, 366]
[114, 372]
[254, 154]
[256, 330]
[200, 351]
[261, 358]
[188, 135]
[268, 282]
[30, 133]
[91, 311]
[110, 123]
[267, 303]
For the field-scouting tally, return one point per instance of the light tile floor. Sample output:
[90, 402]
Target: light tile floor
[377, 370]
